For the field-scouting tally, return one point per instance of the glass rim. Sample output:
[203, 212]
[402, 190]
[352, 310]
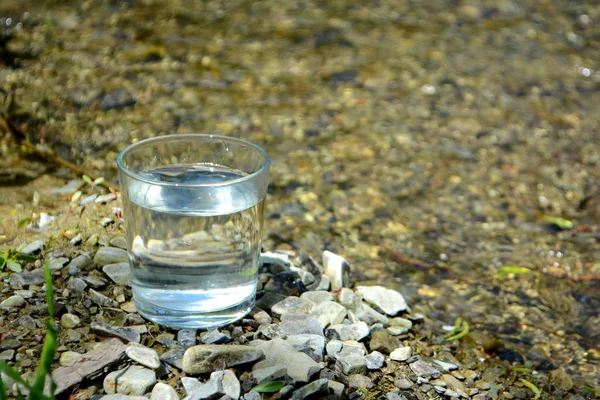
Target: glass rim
[192, 136]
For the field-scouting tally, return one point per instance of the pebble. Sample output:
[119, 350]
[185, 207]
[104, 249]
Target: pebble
[69, 321]
[127, 334]
[351, 364]
[322, 284]
[69, 358]
[26, 294]
[252, 396]
[403, 383]
[198, 391]
[132, 380]
[80, 262]
[383, 341]
[105, 198]
[13, 301]
[292, 305]
[56, 264]
[144, 356]
[300, 367]
[401, 354]
[110, 255]
[35, 277]
[7, 355]
[296, 324]
[77, 285]
[262, 317]
[118, 397]
[101, 299]
[205, 358]
[88, 199]
[94, 281]
[317, 297]
[446, 366]
[367, 314]
[214, 336]
[162, 391]
[309, 344]
[76, 240]
[106, 221]
[270, 331]
[260, 375]
[33, 247]
[315, 389]
[353, 331]
[337, 348]
[375, 360]
[276, 258]
[388, 301]
[359, 381]
[118, 273]
[190, 385]
[118, 241]
[229, 383]
[329, 313]
[174, 357]
[186, 337]
[422, 369]
[394, 396]
[285, 283]
[10, 344]
[337, 269]
[336, 388]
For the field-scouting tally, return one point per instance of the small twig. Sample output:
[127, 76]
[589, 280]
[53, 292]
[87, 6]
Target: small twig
[18, 136]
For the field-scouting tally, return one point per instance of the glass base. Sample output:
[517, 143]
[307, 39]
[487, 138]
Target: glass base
[195, 320]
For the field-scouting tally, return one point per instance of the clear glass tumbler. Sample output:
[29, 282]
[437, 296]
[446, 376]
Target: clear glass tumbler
[193, 208]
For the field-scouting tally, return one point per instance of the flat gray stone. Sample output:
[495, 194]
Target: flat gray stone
[446, 366]
[102, 300]
[401, 354]
[278, 352]
[35, 277]
[118, 273]
[292, 305]
[297, 324]
[118, 241]
[267, 374]
[186, 338]
[162, 391]
[329, 313]
[132, 380]
[80, 262]
[403, 383]
[354, 331]
[214, 336]
[173, 357]
[111, 352]
[270, 331]
[262, 317]
[252, 396]
[352, 364]
[338, 348]
[316, 388]
[190, 385]
[230, 385]
[105, 198]
[337, 269]
[143, 355]
[77, 285]
[309, 344]
[212, 389]
[7, 355]
[317, 297]
[56, 264]
[424, 370]
[13, 301]
[103, 329]
[349, 299]
[209, 357]
[110, 255]
[336, 388]
[371, 317]
[358, 381]
[389, 301]
[375, 360]
[32, 248]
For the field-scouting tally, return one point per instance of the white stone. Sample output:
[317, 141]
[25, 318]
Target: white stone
[329, 313]
[133, 380]
[143, 355]
[300, 367]
[163, 391]
[401, 354]
[389, 301]
[229, 383]
[337, 269]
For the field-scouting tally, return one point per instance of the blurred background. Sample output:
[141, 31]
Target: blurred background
[431, 143]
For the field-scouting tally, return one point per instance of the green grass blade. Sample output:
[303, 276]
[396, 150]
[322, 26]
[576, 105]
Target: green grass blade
[49, 349]
[3, 395]
[12, 373]
[268, 387]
